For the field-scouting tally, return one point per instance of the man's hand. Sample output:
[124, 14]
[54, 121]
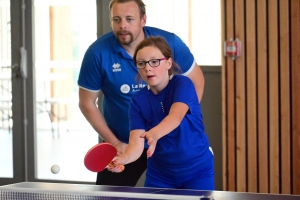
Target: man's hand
[120, 146]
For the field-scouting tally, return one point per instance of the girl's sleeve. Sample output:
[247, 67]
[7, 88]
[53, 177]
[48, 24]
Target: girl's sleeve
[185, 91]
[136, 120]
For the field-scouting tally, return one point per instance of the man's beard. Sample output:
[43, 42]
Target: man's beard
[123, 41]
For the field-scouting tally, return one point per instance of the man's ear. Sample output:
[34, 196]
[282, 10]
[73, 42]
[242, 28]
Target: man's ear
[110, 22]
[144, 20]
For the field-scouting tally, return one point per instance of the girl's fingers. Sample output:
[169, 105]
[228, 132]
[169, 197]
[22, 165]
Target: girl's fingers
[143, 135]
[115, 167]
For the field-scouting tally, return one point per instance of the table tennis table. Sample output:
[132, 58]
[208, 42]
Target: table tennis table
[57, 191]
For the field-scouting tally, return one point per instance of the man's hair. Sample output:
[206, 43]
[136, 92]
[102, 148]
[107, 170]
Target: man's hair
[140, 3]
[161, 44]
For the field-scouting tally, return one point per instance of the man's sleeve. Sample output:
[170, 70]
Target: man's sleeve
[90, 72]
[182, 55]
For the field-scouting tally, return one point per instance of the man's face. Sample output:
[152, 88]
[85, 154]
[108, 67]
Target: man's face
[126, 22]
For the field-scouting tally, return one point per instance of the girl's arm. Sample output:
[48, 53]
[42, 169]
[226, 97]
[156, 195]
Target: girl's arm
[169, 123]
[134, 149]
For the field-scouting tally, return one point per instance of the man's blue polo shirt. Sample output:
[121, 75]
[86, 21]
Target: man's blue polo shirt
[108, 67]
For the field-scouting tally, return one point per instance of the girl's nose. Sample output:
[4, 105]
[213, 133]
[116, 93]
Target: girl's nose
[148, 67]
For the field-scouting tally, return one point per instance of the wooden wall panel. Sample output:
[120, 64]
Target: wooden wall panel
[285, 131]
[295, 89]
[250, 52]
[224, 110]
[273, 66]
[240, 100]
[230, 107]
[262, 83]
[261, 92]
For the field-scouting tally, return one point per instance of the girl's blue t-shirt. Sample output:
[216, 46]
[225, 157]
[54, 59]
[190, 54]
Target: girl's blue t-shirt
[186, 144]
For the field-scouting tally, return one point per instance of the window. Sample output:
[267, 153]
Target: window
[196, 22]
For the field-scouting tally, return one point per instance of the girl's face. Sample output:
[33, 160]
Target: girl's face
[156, 77]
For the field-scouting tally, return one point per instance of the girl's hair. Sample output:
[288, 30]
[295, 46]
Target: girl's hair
[161, 44]
[140, 3]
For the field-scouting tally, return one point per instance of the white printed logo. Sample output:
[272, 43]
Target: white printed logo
[211, 150]
[125, 88]
[136, 88]
[116, 67]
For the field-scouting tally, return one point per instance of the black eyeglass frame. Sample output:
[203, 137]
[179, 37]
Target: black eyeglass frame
[149, 63]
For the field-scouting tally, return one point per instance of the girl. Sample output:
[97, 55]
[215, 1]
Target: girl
[167, 115]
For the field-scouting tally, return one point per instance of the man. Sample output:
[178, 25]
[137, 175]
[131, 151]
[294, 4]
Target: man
[108, 66]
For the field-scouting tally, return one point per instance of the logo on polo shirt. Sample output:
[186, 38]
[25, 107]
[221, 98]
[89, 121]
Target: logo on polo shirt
[116, 67]
[125, 88]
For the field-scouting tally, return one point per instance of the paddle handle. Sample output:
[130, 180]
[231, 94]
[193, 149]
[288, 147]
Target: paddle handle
[111, 164]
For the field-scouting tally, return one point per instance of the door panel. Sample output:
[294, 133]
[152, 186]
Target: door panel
[48, 126]
[63, 135]
[6, 161]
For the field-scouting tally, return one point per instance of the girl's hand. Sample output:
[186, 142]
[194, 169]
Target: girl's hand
[117, 164]
[115, 167]
[152, 140]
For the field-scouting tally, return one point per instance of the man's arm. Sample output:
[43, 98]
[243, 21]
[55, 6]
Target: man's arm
[91, 112]
[197, 77]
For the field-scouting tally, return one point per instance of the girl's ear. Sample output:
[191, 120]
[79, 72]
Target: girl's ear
[169, 62]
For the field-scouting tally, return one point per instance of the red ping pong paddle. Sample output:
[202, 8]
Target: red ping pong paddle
[99, 157]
